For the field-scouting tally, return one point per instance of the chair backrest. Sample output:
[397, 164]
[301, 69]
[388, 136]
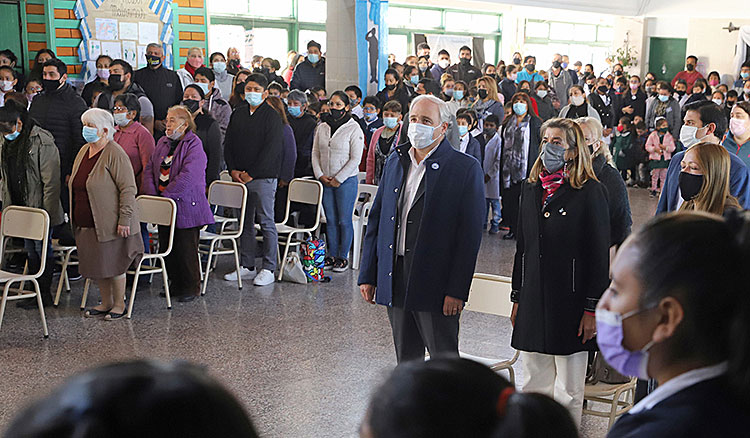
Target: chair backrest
[24, 223]
[490, 294]
[225, 176]
[305, 191]
[156, 210]
[227, 194]
[361, 177]
[369, 189]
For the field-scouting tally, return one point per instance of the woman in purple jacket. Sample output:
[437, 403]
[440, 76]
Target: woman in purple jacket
[177, 170]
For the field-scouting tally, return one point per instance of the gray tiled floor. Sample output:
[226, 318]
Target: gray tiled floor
[303, 359]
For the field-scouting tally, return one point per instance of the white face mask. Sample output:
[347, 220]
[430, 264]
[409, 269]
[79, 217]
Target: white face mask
[576, 100]
[176, 134]
[444, 63]
[121, 119]
[688, 135]
[421, 136]
[6, 86]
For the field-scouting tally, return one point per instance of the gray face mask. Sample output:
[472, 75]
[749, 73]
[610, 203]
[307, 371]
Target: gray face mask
[553, 157]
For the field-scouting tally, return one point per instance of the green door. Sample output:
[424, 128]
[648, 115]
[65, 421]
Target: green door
[666, 57]
[10, 30]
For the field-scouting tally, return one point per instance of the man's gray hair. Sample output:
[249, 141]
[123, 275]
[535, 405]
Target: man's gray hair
[297, 96]
[155, 45]
[445, 112]
[101, 119]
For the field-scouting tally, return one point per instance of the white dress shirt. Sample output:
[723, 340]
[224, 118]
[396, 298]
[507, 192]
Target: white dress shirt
[677, 384]
[464, 143]
[413, 179]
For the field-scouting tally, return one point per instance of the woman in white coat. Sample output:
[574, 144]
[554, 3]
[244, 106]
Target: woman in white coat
[336, 153]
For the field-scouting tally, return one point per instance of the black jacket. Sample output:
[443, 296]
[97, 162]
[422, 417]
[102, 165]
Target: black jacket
[637, 102]
[706, 409]
[207, 129]
[254, 143]
[304, 130]
[88, 90]
[464, 72]
[401, 94]
[162, 87]
[59, 112]
[620, 219]
[561, 266]
[508, 88]
[307, 75]
[606, 112]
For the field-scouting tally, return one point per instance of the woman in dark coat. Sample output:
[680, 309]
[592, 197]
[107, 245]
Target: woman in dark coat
[561, 266]
[394, 90]
[620, 218]
[207, 129]
[517, 156]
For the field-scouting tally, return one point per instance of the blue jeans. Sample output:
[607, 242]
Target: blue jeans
[493, 204]
[338, 204]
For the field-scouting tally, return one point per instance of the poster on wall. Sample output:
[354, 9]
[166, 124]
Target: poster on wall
[122, 29]
[372, 43]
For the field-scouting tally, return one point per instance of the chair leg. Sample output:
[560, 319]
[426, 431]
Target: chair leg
[133, 288]
[286, 252]
[613, 409]
[3, 301]
[85, 293]
[200, 263]
[357, 246]
[166, 282]
[63, 277]
[41, 307]
[208, 266]
[237, 263]
[512, 376]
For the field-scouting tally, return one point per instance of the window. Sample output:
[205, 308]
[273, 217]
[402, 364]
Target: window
[267, 42]
[312, 11]
[561, 31]
[399, 46]
[537, 29]
[584, 32]
[415, 18]
[585, 42]
[228, 6]
[275, 8]
[306, 35]
[458, 21]
[222, 37]
[489, 51]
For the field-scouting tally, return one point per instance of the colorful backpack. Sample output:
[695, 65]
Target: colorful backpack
[313, 259]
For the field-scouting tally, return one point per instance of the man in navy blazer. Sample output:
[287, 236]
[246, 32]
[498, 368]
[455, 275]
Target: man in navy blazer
[709, 124]
[423, 236]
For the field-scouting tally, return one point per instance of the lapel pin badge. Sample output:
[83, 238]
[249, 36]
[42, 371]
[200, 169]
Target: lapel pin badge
[435, 166]
[563, 212]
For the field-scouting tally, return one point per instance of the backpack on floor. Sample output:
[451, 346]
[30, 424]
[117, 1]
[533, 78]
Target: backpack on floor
[313, 259]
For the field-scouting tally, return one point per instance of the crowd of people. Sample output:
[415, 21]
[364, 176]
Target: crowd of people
[456, 149]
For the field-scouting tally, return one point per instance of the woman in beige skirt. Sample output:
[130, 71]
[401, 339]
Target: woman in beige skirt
[102, 200]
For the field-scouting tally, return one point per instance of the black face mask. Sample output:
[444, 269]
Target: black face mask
[390, 87]
[556, 64]
[482, 93]
[730, 103]
[680, 92]
[690, 185]
[465, 61]
[618, 73]
[690, 67]
[524, 90]
[492, 75]
[153, 61]
[517, 61]
[116, 83]
[602, 89]
[192, 105]
[530, 67]
[337, 113]
[50, 84]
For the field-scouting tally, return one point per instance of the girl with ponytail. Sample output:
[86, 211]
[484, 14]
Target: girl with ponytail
[678, 311]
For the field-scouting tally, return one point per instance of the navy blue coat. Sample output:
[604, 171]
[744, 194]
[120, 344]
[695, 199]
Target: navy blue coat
[450, 230]
[306, 75]
[739, 183]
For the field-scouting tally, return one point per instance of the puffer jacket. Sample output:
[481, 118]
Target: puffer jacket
[306, 75]
[338, 155]
[59, 112]
[42, 175]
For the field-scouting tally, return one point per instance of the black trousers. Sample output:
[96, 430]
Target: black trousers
[414, 331]
[510, 204]
[182, 263]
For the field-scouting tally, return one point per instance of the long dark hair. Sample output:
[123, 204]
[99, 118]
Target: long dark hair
[451, 397]
[701, 261]
[16, 152]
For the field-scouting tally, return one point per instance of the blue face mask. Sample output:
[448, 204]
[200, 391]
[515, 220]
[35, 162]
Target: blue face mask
[458, 94]
[370, 117]
[414, 80]
[313, 58]
[254, 99]
[295, 111]
[390, 122]
[462, 130]
[663, 98]
[519, 108]
[203, 87]
[91, 135]
[13, 135]
[220, 67]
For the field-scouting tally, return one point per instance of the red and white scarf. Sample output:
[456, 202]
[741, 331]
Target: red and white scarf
[552, 181]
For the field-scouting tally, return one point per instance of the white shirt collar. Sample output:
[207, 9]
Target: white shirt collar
[677, 384]
[464, 142]
[413, 157]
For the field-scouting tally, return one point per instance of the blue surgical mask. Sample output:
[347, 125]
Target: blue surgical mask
[220, 67]
[295, 111]
[370, 117]
[13, 135]
[203, 87]
[91, 135]
[313, 58]
[414, 80]
[462, 130]
[390, 122]
[663, 97]
[458, 94]
[253, 98]
[519, 108]
[745, 75]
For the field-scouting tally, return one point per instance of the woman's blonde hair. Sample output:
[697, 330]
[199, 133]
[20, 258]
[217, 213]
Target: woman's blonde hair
[714, 195]
[598, 130]
[580, 169]
[445, 77]
[491, 85]
[195, 49]
[183, 113]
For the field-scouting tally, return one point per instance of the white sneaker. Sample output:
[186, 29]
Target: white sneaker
[245, 273]
[264, 278]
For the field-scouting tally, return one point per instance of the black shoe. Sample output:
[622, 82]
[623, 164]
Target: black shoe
[90, 313]
[329, 262]
[73, 273]
[341, 265]
[186, 298]
[112, 316]
[509, 236]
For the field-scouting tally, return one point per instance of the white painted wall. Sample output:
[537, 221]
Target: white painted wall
[714, 46]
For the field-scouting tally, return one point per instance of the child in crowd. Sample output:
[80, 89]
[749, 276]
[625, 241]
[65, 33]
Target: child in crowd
[371, 122]
[639, 171]
[466, 141]
[660, 146]
[623, 145]
[491, 166]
